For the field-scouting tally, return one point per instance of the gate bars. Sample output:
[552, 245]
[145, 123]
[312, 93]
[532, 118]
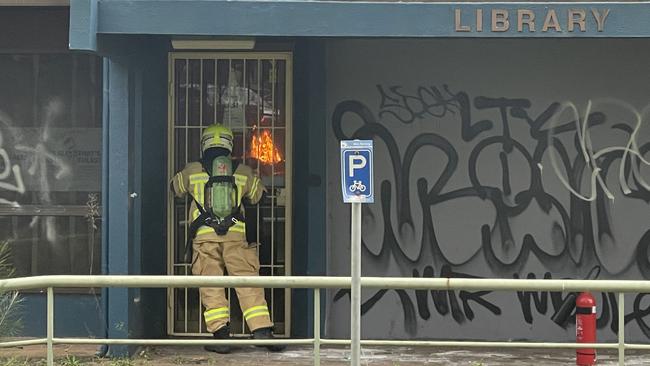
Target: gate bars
[317, 283]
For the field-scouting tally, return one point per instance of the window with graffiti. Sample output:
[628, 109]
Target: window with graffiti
[50, 162]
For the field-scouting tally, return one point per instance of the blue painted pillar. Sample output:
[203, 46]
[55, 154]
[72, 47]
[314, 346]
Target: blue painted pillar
[135, 91]
[116, 198]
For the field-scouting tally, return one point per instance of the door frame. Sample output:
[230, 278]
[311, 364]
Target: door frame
[287, 57]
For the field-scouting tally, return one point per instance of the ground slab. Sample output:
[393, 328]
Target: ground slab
[298, 355]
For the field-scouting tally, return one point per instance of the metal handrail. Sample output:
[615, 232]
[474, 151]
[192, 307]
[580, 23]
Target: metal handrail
[485, 284]
[316, 283]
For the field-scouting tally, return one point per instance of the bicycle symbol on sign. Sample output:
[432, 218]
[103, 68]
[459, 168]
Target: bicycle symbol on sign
[357, 186]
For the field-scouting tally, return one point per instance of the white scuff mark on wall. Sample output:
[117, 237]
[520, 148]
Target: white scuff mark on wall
[632, 154]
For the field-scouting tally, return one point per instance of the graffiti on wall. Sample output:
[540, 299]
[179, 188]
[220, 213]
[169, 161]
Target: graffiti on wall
[11, 180]
[574, 170]
[42, 165]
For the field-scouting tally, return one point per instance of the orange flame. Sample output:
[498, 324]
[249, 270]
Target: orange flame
[263, 148]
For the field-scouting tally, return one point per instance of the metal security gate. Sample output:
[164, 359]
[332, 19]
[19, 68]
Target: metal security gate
[251, 93]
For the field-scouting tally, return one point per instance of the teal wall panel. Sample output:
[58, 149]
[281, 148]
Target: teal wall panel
[309, 171]
[153, 184]
[76, 315]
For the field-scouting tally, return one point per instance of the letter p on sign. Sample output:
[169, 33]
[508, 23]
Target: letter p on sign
[356, 162]
[356, 171]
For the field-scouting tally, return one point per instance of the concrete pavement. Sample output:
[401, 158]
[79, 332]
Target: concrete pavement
[294, 356]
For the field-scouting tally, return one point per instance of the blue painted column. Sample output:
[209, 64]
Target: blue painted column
[116, 198]
[135, 105]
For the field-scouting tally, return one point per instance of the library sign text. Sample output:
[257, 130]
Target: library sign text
[527, 20]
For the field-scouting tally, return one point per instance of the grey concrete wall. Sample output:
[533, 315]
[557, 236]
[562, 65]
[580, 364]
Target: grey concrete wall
[487, 165]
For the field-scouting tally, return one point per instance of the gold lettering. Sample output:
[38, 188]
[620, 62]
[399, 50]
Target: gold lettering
[500, 22]
[551, 22]
[600, 18]
[479, 20]
[579, 20]
[525, 16]
[460, 27]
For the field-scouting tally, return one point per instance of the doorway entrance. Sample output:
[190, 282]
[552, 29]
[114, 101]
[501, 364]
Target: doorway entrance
[250, 93]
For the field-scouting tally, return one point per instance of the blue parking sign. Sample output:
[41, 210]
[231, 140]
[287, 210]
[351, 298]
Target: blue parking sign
[356, 171]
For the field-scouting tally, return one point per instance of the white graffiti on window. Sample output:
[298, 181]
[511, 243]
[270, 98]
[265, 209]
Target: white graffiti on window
[10, 175]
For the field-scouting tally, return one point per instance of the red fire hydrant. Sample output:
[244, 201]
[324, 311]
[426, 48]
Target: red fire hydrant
[585, 328]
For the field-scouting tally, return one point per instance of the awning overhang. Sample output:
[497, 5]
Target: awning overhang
[354, 19]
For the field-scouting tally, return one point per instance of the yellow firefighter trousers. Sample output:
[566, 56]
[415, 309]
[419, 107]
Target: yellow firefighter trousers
[211, 258]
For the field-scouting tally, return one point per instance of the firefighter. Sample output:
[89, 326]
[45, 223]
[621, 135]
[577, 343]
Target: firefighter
[217, 187]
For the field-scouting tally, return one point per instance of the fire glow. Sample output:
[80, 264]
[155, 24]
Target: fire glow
[263, 148]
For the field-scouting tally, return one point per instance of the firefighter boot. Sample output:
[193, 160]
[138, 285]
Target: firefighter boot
[267, 333]
[221, 333]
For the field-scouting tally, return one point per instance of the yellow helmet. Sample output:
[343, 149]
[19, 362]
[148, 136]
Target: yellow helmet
[216, 135]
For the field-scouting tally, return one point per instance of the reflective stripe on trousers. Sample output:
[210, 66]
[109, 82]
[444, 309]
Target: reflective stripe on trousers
[256, 311]
[218, 313]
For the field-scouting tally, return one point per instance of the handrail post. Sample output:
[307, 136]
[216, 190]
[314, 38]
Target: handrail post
[316, 327]
[621, 328]
[50, 326]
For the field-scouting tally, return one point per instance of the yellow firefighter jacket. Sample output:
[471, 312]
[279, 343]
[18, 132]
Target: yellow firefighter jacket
[192, 180]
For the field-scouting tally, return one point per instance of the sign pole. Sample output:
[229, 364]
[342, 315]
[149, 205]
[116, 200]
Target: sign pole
[357, 187]
[355, 295]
